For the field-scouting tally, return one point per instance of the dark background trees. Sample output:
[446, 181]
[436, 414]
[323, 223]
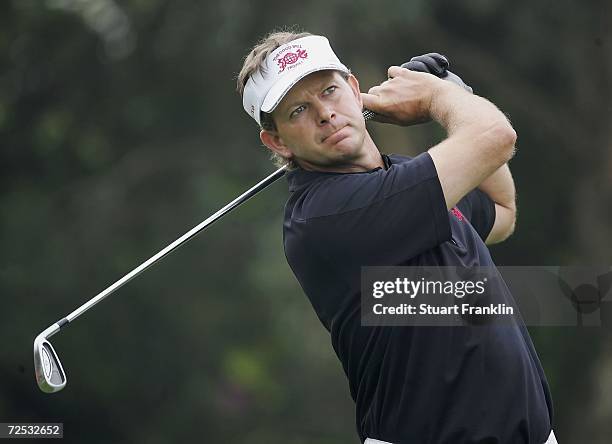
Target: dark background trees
[120, 129]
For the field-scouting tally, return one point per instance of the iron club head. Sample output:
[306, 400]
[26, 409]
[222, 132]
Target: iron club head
[50, 375]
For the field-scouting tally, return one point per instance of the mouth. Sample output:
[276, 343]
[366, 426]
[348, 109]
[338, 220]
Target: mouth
[336, 136]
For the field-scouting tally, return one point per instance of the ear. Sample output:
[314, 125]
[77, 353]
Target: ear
[354, 84]
[273, 141]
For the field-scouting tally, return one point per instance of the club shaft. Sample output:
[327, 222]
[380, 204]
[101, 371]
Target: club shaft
[177, 243]
[54, 328]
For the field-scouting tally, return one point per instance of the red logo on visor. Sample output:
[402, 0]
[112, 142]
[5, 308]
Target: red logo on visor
[290, 58]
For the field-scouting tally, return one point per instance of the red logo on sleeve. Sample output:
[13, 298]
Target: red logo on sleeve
[460, 217]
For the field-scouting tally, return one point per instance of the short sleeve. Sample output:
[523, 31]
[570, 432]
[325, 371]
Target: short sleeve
[479, 209]
[382, 217]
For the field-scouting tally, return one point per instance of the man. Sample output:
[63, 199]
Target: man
[351, 206]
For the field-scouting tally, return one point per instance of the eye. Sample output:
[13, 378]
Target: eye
[297, 111]
[329, 90]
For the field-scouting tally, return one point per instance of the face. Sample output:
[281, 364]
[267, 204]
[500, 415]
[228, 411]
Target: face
[319, 122]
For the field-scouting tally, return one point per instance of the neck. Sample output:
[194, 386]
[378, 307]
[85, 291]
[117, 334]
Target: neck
[369, 159]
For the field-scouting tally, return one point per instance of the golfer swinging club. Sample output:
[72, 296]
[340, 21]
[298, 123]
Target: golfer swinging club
[352, 206]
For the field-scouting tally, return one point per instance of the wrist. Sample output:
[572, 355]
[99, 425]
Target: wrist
[444, 99]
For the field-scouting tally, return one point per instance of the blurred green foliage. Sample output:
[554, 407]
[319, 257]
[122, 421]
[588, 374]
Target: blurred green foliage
[120, 129]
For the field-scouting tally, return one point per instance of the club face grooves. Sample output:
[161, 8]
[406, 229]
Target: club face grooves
[50, 375]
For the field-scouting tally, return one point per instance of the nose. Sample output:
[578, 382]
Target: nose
[325, 113]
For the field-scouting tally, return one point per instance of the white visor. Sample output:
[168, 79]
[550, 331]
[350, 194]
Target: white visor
[283, 68]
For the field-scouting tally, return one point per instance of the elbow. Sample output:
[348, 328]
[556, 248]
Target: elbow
[501, 139]
[506, 140]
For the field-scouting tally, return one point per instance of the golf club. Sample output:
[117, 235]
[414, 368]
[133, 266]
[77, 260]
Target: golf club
[50, 374]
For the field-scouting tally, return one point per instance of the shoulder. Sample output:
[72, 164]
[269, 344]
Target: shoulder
[335, 194]
[324, 194]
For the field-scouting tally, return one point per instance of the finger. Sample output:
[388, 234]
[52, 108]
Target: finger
[375, 90]
[395, 71]
[415, 65]
[440, 58]
[371, 101]
[379, 88]
[433, 67]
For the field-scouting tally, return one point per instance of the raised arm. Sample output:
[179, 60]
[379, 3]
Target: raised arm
[480, 138]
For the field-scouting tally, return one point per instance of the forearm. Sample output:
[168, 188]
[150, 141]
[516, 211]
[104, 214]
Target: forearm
[480, 142]
[468, 122]
[499, 186]
[458, 111]
[480, 138]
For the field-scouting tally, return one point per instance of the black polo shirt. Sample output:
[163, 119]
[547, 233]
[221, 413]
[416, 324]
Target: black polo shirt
[413, 385]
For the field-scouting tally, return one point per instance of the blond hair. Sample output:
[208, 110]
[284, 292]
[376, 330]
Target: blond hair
[254, 61]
